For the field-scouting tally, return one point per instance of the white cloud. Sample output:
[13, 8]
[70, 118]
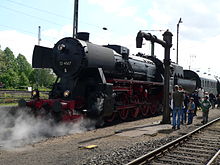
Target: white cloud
[141, 21]
[199, 32]
[54, 35]
[18, 43]
[118, 7]
[23, 43]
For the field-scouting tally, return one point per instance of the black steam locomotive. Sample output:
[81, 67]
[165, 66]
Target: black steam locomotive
[100, 82]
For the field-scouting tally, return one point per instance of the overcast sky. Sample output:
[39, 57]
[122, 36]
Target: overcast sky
[199, 34]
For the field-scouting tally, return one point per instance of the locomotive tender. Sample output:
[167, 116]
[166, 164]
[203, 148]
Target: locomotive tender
[100, 82]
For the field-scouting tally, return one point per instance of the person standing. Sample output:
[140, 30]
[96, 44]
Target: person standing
[177, 107]
[196, 97]
[218, 100]
[190, 110]
[212, 100]
[183, 107]
[186, 102]
[205, 105]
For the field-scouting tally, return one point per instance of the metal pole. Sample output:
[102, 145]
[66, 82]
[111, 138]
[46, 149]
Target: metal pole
[177, 42]
[167, 37]
[39, 38]
[37, 78]
[167, 44]
[152, 48]
[75, 18]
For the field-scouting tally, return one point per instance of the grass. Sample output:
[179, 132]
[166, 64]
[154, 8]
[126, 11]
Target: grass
[8, 97]
[8, 104]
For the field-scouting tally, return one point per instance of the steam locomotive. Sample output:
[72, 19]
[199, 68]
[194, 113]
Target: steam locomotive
[101, 82]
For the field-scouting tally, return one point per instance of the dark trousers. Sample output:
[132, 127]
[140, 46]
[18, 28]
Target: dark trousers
[205, 117]
[190, 117]
[196, 106]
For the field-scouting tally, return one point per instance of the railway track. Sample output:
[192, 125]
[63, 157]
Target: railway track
[12, 96]
[200, 146]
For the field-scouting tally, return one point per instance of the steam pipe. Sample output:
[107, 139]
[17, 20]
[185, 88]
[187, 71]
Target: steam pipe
[148, 36]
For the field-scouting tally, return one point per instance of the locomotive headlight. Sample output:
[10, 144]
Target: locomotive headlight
[61, 47]
[66, 93]
[34, 93]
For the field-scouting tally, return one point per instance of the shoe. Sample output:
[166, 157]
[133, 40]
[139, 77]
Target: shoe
[178, 127]
[173, 127]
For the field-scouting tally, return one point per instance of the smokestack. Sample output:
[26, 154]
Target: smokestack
[83, 36]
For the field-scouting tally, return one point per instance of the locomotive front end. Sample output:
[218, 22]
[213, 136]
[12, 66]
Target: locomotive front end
[67, 59]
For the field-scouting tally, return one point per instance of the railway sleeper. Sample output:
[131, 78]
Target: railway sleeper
[198, 146]
[175, 161]
[213, 130]
[214, 145]
[206, 140]
[192, 153]
[209, 135]
[193, 159]
[207, 143]
[196, 150]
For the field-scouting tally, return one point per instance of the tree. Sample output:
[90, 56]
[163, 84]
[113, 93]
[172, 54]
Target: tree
[42, 78]
[23, 80]
[17, 72]
[9, 59]
[23, 66]
[2, 63]
[9, 78]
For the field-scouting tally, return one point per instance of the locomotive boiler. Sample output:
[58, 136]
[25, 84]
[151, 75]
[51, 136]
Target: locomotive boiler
[99, 82]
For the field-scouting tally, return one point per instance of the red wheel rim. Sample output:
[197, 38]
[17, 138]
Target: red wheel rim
[111, 118]
[123, 114]
[135, 112]
[153, 109]
[145, 110]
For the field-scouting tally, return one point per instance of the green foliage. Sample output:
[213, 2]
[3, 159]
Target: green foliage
[23, 66]
[9, 78]
[17, 72]
[42, 78]
[2, 62]
[9, 59]
[23, 80]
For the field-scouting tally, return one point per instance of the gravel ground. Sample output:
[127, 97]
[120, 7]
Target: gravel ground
[111, 148]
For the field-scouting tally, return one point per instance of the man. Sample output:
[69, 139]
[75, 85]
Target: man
[196, 97]
[205, 105]
[177, 106]
[183, 109]
[190, 110]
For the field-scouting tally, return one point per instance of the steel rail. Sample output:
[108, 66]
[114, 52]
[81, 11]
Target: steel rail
[145, 158]
[213, 158]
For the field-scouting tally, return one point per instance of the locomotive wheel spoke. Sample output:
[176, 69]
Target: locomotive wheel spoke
[153, 108]
[135, 112]
[123, 114]
[145, 110]
[111, 118]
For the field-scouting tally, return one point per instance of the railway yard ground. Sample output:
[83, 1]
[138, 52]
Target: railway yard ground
[117, 144]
